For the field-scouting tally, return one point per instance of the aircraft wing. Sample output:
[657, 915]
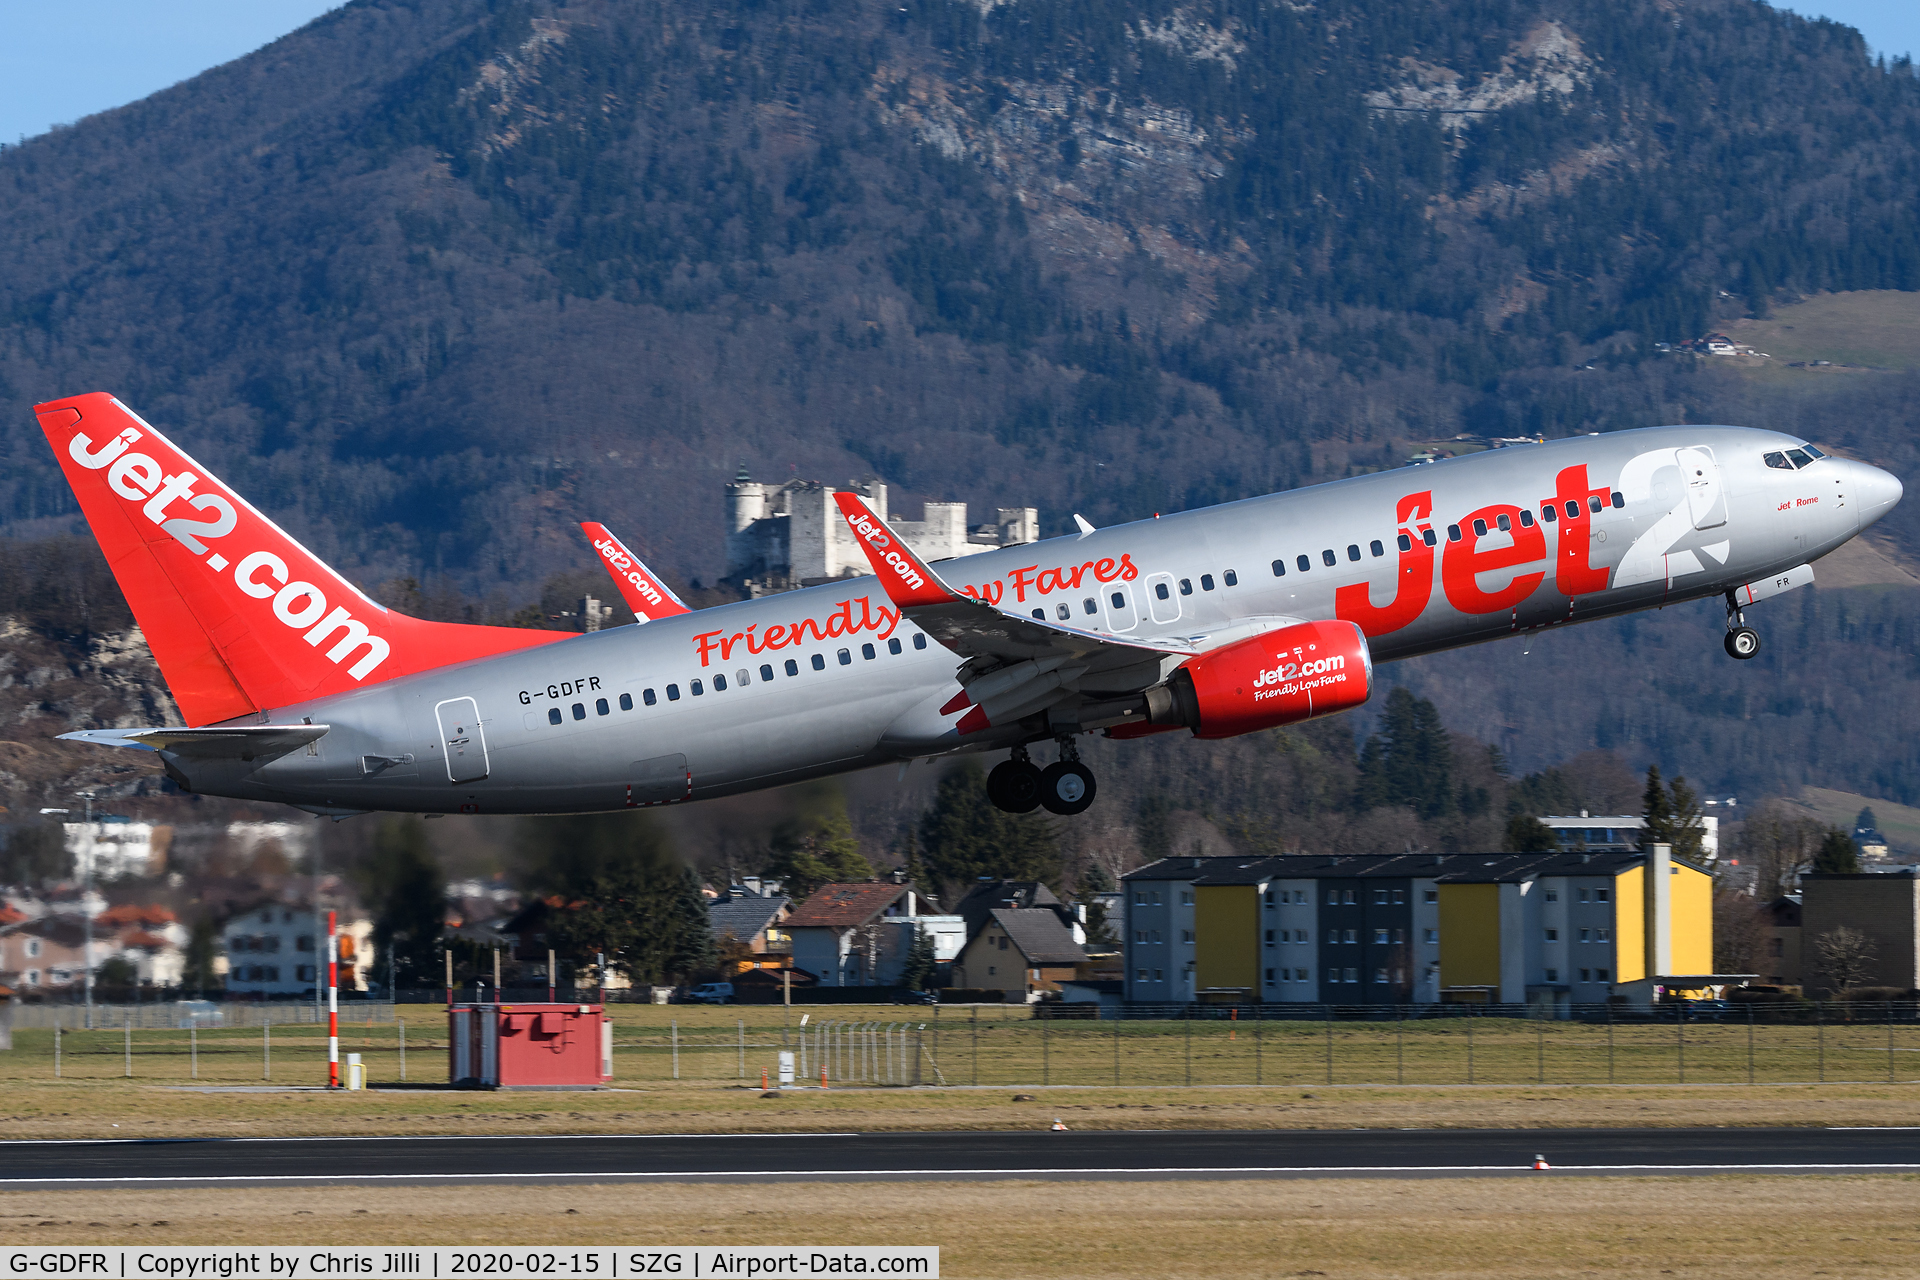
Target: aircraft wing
[219, 742]
[645, 593]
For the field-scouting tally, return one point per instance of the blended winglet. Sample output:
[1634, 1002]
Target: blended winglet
[639, 586]
[909, 583]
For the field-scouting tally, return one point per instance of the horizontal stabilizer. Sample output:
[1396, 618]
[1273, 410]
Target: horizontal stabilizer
[230, 742]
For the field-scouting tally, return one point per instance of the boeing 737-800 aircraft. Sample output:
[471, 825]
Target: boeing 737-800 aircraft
[298, 688]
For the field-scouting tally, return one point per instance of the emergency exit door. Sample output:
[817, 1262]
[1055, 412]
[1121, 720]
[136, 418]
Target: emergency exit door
[461, 739]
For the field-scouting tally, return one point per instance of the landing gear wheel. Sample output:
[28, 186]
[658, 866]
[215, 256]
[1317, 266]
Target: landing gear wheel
[1014, 785]
[1066, 788]
[1743, 642]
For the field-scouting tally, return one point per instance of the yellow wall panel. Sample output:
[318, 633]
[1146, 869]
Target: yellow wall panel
[1692, 916]
[1226, 922]
[1469, 935]
[1630, 925]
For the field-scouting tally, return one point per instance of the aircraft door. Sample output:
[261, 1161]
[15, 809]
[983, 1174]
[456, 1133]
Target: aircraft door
[1122, 615]
[1163, 605]
[1706, 499]
[461, 738]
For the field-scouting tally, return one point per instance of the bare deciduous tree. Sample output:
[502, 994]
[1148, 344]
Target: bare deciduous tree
[1845, 957]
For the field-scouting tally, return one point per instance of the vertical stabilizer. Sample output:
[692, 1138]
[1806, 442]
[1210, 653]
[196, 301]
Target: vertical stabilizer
[239, 616]
[643, 590]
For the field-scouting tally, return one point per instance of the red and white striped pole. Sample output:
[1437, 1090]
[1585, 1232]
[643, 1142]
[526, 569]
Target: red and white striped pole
[333, 1004]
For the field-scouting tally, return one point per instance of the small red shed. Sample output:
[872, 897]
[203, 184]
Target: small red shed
[529, 1046]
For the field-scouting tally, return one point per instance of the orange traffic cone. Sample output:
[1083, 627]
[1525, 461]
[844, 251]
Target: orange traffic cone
[1057, 1126]
[763, 1082]
[1540, 1162]
[823, 1077]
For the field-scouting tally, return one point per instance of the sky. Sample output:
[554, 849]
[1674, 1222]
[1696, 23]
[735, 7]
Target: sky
[64, 59]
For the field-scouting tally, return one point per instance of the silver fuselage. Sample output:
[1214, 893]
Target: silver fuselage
[1702, 514]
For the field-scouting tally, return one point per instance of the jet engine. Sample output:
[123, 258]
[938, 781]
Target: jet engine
[1280, 677]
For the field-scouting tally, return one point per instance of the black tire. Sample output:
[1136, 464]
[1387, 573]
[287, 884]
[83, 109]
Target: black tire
[1742, 643]
[1014, 786]
[1066, 788]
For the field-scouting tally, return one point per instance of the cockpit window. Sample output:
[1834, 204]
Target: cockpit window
[1799, 458]
[1778, 461]
[1813, 452]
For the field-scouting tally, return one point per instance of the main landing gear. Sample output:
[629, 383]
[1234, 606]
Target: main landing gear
[1065, 787]
[1742, 640]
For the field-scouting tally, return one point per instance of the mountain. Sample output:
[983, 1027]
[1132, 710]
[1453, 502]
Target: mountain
[432, 281]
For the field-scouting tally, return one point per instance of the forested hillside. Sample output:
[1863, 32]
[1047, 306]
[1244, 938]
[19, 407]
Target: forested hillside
[430, 281]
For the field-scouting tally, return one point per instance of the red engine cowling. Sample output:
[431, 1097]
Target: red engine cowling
[1281, 677]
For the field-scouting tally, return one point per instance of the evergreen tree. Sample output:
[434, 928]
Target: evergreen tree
[1673, 817]
[1410, 761]
[963, 836]
[407, 889]
[921, 963]
[614, 885]
[203, 945]
[1527, 834]
[816, 846]
[1837, 856]
[1866, 821]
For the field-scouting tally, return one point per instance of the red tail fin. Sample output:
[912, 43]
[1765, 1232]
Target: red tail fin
[640, 587]
[908, 581]
[239, 616]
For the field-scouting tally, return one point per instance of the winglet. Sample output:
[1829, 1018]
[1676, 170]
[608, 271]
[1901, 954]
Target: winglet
[907, 579]
[640, 587]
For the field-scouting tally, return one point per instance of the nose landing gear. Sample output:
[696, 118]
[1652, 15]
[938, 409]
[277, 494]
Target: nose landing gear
[1742, 640]
[1065, 787]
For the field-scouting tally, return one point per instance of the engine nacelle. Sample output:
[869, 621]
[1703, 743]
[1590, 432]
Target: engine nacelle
[1281, 677]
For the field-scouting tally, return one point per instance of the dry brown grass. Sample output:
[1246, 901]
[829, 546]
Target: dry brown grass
[1744, 1228]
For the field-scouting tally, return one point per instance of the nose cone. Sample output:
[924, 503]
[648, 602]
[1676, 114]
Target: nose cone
[1875, 491]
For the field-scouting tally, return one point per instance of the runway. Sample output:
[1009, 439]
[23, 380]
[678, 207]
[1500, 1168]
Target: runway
[950, 1156]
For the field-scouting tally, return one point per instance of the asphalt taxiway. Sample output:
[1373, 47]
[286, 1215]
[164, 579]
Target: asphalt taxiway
[955, 1156]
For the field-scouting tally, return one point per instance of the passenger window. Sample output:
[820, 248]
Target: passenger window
[819, 662]
[553, 715]
[1279, 568]
[1206, 582]
[1040, 614]
[846, 658]
[866, 651]
[673, 693]
[1353, 551]
[1619, 500]
[1119, 601]
[1778, 461]
[646, 696]
[1328, 558]
[1406, 543]
[579, 711]
[1376, 548]
[1160, 591]
[1426, 536]
[1526, 519]
[1231, 577]
[793, 668]
[766, 671]
[1799, 458]
[1505, 525]
[745, 678]
[695, 688]
[1186, 586]
[893, 645]
[1573, 509]
[1304, 563]
[1479, 528]
[919, 640]
[719, 685]
[626, 702]
[1089, 606]
[1549, 513]
[1062, 612]
[1594, 504]
[1453, 533]
[600, 706]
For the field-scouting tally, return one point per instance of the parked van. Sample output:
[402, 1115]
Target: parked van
[711, 993]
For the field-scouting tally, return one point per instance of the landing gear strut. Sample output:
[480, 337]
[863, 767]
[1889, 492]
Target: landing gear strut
[1065, 787]
[1742, 640]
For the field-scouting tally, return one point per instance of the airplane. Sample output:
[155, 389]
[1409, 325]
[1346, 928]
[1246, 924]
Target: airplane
[298, 688]
[645, 592]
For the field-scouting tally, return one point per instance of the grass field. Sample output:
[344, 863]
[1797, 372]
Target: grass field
[1878, 328]
[1739, 1228]
[1490, 1073]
